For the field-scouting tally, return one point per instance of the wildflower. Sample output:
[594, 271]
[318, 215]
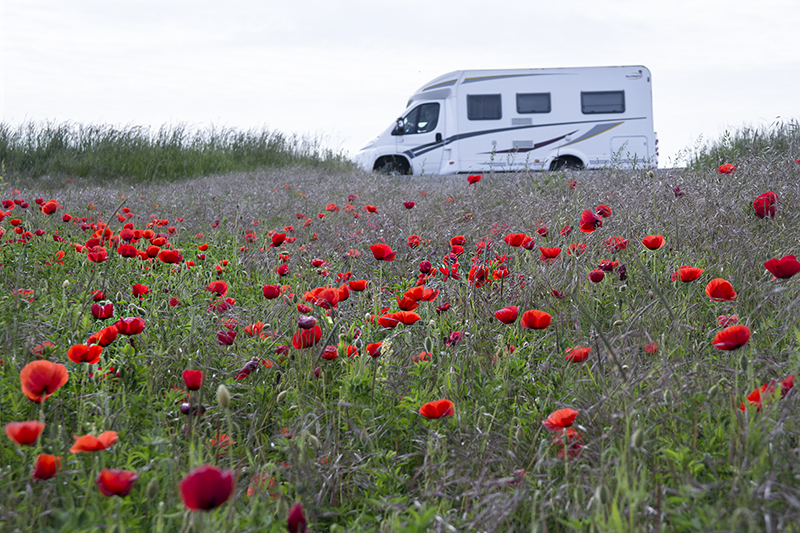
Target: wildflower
[218, 287]
[577, 354]
[226, 337]
[731, 338]
[170, 256]
[603, 210]
[590, 221]
[357, 285]
[572, 184]
[382, 252]
[193, 379]
[549, 254]
[130, 326]
[542, 230]
[565, 231]
[90, 443]
[414, 241]
[596, 275]
[370, 209]
[128, 250]
[651, 347]
[576, 249]
[653, 242]
[515, 239]
[507, 314]
[332, 207]
[393, 319]
[677, 192]
[47, 466]
[442, 308]
[478, 276]
[102, 312]
[474, 178]
[764, 205]
[422, 356]
[374, 349]
[535, 319]
[296, 522]
[271, 292]
[408, 204]
[557, 294]
[727, 168]
[560, 419]
[727, 320]
[24, 433]
[114, 482]
[454, 338]
[783, 268]
[720, 290]
[307, 338]
[81, 353]
[206, 487]
[438, 409]
[615, 244]
[40, 379]
[574, 442]
[687, 273]
[140, 290]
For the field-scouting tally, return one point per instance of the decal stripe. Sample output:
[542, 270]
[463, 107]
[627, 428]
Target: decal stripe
[597, 130]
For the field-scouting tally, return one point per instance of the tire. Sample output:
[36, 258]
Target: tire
[566, 163]
[392, 166]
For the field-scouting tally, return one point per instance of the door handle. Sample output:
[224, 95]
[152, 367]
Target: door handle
[438, 137]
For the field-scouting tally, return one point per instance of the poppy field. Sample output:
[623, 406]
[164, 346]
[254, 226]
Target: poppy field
[310, 350]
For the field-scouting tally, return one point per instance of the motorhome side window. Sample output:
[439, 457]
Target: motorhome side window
[602, 102]
[484, 107]
[533, 103]
[422, 119]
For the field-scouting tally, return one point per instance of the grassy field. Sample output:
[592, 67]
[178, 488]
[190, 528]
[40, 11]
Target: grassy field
[668, 435]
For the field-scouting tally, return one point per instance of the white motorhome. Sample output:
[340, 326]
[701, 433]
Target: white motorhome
[522, 119]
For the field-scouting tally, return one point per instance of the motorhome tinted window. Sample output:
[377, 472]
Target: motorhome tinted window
[602, 102]
[533, 103]
[421, 119]
[484, 107]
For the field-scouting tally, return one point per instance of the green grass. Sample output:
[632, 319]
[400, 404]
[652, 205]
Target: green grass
[665, 445]
[141, 154]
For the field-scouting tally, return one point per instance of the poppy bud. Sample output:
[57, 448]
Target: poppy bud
[317, 372]
[152, 489]
[428, 344]
[65, 285]
[601, 494]
[223, 396]
[743, 362]
[638, 439]
[314, 441]
[668, 396]
[282, 396]
[713, 391]
[651, 174]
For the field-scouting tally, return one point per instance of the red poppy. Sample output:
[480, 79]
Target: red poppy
[542, 230]
[306, 338]
[114, 482]
[438, 409]
[574, 442]
[170, 256]
[218, 287]
[653, 242]
[590, 222]
[400, 317]
[132, 325]
[454, 338]
[515, 239]
[442, 308]
[104, 337]
[596, 275]
[651, 347]
[615, 244]
[764, 205]
[474, 178]
[226, 337]
[102, 312]
[140, 290]
[206, 487]
[358, 285]
[565, 231]
[422, 356]
[325, 297]
[282, 270]
[754, 398]
[787, 384]
[374, 349]
[332, 207]
[720, 290]
[271, 291]
[577, 354]
[47, 466]
[727, 320]
[576, 249]
[572, 184]
[370, 209]
[535, 319]
[414, 241]
[24, 433]
[727, 168]
[98, 296]
[408, 204]
[783, 268]
[407, 304]
[687, 273]
[277, 239]
[174, 302]
[549, 254]
[193, 379]
[560, 419]
[382, 252]
[296, 522]
[478, 276]
[508, 314]
[557, 294]
[731, 338]
[330, 352]
[128, 250]
[90, 443]
[97, 256]
[40, 379]
[81, 353]
[603, 210]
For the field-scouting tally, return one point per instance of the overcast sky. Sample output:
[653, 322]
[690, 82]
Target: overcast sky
[343, 70]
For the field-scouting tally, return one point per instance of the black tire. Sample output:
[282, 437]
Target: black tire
[566, 163]
[393, 166]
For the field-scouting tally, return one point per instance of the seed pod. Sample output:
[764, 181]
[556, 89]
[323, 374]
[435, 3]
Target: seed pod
[638, 439]
[223, 396]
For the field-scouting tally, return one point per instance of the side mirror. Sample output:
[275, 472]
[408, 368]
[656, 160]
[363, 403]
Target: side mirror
[398, 128]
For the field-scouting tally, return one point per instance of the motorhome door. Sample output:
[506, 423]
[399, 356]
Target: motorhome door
[420, 137]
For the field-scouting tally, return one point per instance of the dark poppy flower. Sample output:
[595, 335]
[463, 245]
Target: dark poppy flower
[193, 379]
[81, 353]
[576, 249]
[306, 322]
[549, 254]
[727, 168]
[608, 266]
[615, 244]
[306, 338]
[507, 314]
[557, 294]
[206, 487]
[603, 210]
[542, 230]
[296, 522]
[132, 325]
[170, 256]
[515, 239]
[40, 379]
[271, 292]
[577, 354]
[414, 241]
[174, 302]
[425, 267]
[590, 221]
[731, 338]
[438, 409]
[24, 433]
[442, 308]
[720, 290]
[783, 268]
[535, 319]
[114, 482]
[382, 252]
[128, 250]
[677, 192]
[653, 242]
[454, 338]
[226, 337]
[140, 290]
[478, 276]
[787, 384]
[727, 320]
[47, 466]
[90, 443]
[282, 270]
[560, 419]
[565, 231]
[104, 311]
[596, 275]
[474, 178]
[218, 287]
[687, 273]
[408, 204]
[764, 205]
[330, 352]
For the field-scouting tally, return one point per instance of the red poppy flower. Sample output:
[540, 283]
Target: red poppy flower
[603, 210]
[731, 338]
[515, 239]
[407, 304]
[615, 244]
[170, 256]
[542, 230]
[271, 291]
[574, 442]
[727, 168]
[296, 522]
[565, 231]
[720, 290]
[442, 308]
[277, 239]
[576, 249]
[226, 337]
[114, 482]
[787, 384]
[132, 325]
[651, 347]
[330, 352]
[102, 312]
[590, 221]
[218, 287]
[47, 466]
[90, 443]
[325, 297]
[40, 379]
[577, 354]
[549, 254]
[358, 285]
[535, 319]
[104, 337]
[382, 252]
[97, 257]
[687, 273]
[560, 419]
[140, 290]
[206, 487]
[128, 250]
[408, 204]
[596, 275]
[508, 314]
[474, 178]
[727, 320]
[174, 302]
[783, 268]
[24, 433]
[400, 317]
[764, 205]
[454, 338]
[306, 338]
[193, 379]
[81, 353]
[374, 349]
[653, 242]
[478, 276]
[370, 209]
[557, 294]
[438, 409]
[332, 207]
[572, 184]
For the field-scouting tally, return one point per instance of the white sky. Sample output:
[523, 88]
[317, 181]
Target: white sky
[343, 70]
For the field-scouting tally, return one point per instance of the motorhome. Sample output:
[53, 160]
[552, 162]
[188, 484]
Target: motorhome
[522, 119]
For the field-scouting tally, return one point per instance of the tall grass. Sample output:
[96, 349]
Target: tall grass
[35, 149]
